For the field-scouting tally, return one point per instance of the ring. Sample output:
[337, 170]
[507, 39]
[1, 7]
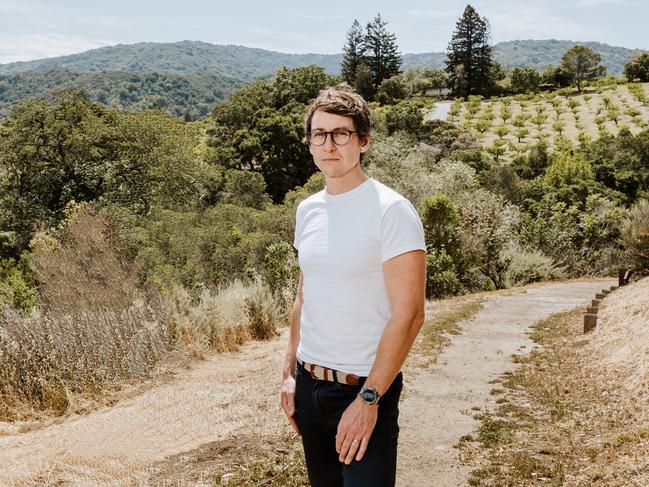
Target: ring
[355, 440]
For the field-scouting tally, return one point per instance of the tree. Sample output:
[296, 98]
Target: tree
[353, 52]
[582, 63]
[363, 82]
[381, 52]
[469, 64]
[525, 80]
[638, 68]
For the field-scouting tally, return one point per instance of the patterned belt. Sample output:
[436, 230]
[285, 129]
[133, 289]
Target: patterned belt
[325, 373]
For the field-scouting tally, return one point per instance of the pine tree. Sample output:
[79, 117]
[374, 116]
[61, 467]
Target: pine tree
[381, 51]
[353, 52]
[469, 64]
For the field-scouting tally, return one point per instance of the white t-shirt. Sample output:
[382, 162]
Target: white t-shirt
[342, 242]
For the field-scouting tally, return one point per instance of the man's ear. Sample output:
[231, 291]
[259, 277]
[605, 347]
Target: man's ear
[365, 143]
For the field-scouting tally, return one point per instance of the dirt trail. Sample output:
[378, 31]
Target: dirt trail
[437, 410]
[236, 394]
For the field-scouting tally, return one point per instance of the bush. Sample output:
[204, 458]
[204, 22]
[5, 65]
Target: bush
[17, 285]
[441, 278]
[527, 266]
[635, 236]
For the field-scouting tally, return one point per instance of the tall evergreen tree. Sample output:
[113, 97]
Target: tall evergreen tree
[469, 64]
[353, 52]
[381, 51]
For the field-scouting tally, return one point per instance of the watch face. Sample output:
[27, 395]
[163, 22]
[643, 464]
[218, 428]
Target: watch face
[368, 395]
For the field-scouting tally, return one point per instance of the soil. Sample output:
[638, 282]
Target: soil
[232, 397]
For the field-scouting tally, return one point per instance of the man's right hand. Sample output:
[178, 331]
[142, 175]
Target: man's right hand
[288, 401]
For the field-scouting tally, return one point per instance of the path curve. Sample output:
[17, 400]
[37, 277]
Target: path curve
[237, 393]
[437, 413]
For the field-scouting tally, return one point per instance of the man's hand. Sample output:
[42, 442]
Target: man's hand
[288, 401]
[355, 429]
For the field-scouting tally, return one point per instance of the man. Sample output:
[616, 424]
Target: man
[359, 305]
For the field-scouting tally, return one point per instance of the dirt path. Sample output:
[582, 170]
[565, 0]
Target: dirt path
[436, 411]
[236, 394]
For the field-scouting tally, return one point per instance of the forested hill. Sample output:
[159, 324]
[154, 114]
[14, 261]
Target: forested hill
[247, 63]
[187, 78]
[190, 95]
[244, 63]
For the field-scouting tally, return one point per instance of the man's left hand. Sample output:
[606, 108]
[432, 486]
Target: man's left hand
[355, 429]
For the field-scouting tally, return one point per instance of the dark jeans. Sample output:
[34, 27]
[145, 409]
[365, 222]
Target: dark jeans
[319, 405]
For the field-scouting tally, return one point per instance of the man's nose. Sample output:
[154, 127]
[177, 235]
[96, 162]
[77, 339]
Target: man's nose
[329, 143]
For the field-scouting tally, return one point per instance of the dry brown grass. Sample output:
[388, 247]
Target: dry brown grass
[97, 329]
[568, 416]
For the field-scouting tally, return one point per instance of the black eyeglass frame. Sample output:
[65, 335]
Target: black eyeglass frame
[331, 133]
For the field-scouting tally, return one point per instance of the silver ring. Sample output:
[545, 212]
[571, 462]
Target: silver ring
[355, 440]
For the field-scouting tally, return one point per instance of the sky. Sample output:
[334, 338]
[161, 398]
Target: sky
[32, 29]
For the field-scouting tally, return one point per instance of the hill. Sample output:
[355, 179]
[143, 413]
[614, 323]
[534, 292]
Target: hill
[191, 95]
[244, 63]
[538, 54]
[189, 77]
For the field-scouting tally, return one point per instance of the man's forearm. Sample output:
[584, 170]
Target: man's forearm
[293, 340]
[395, 344]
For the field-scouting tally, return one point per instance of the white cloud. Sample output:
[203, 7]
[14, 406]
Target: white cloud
[535, 24]
[36, 46]
[598, 3]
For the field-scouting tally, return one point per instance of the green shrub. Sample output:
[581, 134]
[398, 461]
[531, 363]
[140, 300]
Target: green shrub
[527, 266]
[17, 285]
[635, 236]
[441, 276]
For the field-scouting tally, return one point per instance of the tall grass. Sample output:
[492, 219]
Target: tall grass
[97, 326]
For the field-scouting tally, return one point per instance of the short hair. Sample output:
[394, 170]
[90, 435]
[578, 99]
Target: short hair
[341, 99]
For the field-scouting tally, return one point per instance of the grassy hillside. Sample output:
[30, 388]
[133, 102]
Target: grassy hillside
[191, 95]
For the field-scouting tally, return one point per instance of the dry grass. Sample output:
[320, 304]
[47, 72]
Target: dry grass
[97, 329]
[245, 460]
[568, 416]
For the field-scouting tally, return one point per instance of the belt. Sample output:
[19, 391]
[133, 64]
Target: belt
[325, 373]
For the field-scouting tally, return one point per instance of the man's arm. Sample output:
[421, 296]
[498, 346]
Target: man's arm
[405, 282]
[288, 380]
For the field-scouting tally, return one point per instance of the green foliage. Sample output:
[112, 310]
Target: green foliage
[353, 51]
[582, 63]
[441, 277]
[281, 270]
[635, 236]
[637, 69]
[528, 266]
[525, 80]
[404, 116]
[380, 51]
[17, 285]
[188, 95]
[392, 89]
[260, 129]
[470, 65]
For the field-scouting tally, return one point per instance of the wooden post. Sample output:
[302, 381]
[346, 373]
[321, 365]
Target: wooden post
[621, 277]
[599, 296]
[606, 291]
[613, 288]
[590, 322]
[595, 302]
[592, 310]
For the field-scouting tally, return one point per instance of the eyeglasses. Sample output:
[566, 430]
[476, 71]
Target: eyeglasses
[338, 136]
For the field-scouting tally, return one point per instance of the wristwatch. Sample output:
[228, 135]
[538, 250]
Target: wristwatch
[369, 395]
